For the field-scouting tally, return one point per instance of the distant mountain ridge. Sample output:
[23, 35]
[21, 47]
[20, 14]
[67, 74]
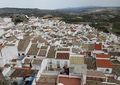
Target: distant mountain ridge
[19, 10]
[105, 17]
[36, 11]
[89, 9]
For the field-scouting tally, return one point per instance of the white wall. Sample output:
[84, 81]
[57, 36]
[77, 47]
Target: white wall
[8, 53]
[104, 70]
[104, 58]
[61, 61]
[2, 61]
[42, 68]
[1, 32]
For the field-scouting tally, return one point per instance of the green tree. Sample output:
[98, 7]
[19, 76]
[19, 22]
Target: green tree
[19, 18]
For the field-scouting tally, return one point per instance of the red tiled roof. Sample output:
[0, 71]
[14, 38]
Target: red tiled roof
[47, 80]
[103, 56]
[98, 46]
[95, 74]
[103, 63]
[69, 80]
[22, 72]
[62, 56]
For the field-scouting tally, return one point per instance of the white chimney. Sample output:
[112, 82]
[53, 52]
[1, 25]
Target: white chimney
[60, 84]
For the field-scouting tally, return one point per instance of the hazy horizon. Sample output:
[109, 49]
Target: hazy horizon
[58, 4]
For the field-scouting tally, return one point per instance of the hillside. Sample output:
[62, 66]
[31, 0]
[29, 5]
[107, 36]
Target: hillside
[102, 18]
[79, 10]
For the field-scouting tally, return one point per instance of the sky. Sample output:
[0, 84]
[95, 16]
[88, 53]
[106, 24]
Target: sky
[56, 4]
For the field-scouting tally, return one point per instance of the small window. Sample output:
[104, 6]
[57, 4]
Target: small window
[30, 65]
[34, 56]
[18, 54]
[23, 54]
[50, 62]
[107, 70]
[50, 65]
[28, 56]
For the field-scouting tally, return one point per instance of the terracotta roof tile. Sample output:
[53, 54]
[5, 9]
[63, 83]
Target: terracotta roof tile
[33, 50]
[98, 46]
[103, 56]
[69, 80]
[21, 72]
[103, 63]
[47, 80]
[63, 49]
[51, 52]
[42, 52]
[27, 61]
[23, 44]
[96, 74]
[76, 60]
[44, 47]
[62, 56]
[37, 61]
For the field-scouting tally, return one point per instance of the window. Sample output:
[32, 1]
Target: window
[34, 56]
[23, 54]
[30, 65]
[107, 70]
[50, 65]
[18, 54]
[50, 62]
